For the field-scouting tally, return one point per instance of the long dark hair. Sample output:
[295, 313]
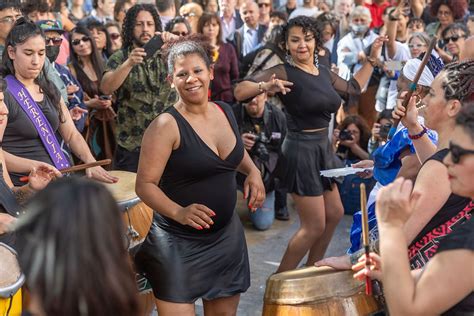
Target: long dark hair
[94, 24]
[71, 249]
[209, 18]
[131, 18]
[361, 124]
[22, 30]
[87, 84]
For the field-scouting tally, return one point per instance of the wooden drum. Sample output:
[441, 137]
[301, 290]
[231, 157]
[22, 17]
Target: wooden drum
[317, 291]
[136, 215]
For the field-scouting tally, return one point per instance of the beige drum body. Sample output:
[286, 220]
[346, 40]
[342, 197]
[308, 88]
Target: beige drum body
[317, 291]
[11, 280]
[136, 215]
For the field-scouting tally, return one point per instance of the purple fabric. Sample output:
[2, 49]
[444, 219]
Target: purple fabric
[225, 70]
[41, 123]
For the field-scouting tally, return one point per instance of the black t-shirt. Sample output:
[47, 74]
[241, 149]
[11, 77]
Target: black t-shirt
[8, 205]
[462, 237]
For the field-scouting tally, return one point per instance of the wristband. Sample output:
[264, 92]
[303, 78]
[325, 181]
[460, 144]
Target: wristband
[260, 87]
[419, 135]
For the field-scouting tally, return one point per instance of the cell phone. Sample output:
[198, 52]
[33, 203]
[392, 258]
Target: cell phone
[394, 65]
[384, 130]
[104, 97]
[154, 44]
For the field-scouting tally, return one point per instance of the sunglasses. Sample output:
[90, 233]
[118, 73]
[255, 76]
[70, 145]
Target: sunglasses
[114, 36]
[188, 15]
[78, 41]
[57, 41]
[457, 152]
[261, 5]
[180, 33]
[453, 38]
[416, 45]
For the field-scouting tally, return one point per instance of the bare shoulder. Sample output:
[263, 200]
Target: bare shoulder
[163, 129]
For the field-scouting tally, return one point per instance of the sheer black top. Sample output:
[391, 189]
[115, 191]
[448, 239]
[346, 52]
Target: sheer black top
[312, 98]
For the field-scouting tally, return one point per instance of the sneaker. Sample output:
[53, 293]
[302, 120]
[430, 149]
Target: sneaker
[282, 214]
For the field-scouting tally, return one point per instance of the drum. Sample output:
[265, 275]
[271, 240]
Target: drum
[136, 215]
[317, 291]
[11, 280]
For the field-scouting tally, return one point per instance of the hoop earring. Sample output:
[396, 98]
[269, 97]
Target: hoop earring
[316, 60]
[289, 59]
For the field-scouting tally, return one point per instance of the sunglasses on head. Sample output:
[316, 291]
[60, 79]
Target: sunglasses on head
[180, 33]
[57, 41]
[416, 45]
[188, 15]
[78, 41]
[260, 5]
[453, 38]
[457, 152]
[114, 36]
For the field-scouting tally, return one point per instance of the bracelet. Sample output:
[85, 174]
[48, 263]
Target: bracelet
[372, 61]
[420, 134]
[260, 87]
[391, 17]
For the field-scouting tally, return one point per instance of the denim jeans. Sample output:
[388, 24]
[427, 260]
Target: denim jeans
[262, 218]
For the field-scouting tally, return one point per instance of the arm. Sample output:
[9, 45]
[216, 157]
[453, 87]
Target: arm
[272, 80]
[160, 138]
[417, 7]
[392, 32]
[113, 79]
[253, 184]
[364, 74]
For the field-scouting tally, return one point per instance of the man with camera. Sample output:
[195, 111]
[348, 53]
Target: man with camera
[137, 75]
[262, 127]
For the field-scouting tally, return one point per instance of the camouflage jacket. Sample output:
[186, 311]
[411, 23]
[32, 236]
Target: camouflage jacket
[142, 96]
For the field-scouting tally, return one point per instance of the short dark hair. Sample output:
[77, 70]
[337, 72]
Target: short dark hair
[130, 19]
[163, 5]
[455, 27]
[279, 14]
[32, 6]
[458, 7]
[416, 20]
[15, 4]
[208, 18]
[176, 20]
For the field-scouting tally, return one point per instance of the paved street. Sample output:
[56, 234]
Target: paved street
[266, 249]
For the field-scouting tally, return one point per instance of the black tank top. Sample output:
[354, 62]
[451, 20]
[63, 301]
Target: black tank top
[8, 205]
[196, 174]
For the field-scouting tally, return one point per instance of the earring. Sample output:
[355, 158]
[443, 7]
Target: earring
[316, 60]
[289, 59]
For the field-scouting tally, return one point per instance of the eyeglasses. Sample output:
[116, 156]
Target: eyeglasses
[114, 36]
[261, 5]
[78, 41]
[445, 13]
[188, 15]
[411, 46]
[8, 19]
[457, 152]
[453, 38]
[180, 33]
[57, 41]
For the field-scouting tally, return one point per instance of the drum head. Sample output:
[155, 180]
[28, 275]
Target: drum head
[310, 284]
[124, 190]
[11, 278]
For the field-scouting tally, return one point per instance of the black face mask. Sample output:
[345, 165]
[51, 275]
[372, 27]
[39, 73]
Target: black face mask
[52, 52]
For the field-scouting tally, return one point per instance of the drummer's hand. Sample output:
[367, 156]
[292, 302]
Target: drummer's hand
[374, 271]
[6, 222]
[253, 187]
[408, 115]
[339, 263]
[364, 164]
[100, 174]
[196, 215]
[40, 176]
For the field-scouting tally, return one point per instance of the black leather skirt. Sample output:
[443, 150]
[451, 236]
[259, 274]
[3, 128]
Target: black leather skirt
[183, 267]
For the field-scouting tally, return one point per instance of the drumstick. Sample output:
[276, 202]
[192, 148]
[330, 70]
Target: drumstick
[412, 89]
[365, 236]
[78, 167]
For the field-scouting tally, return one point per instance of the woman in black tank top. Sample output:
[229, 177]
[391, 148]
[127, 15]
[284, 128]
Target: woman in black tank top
[196, 246]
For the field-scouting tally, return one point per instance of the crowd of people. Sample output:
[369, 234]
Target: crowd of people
[202, 99]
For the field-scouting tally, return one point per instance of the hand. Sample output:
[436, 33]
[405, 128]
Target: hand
[40, 177]
[366, 174]
[77, 113]
[339, 263]
[376, 131]
[72, 88]
[376, 49]
[136, 56]
[275, 85]
[375, 268]
[248, 140]
[394, 203]
[6, 221]
[409, 115]
[254, 190]
[335, 136]
[334, 68]
[167, 36]
[361, 57]
[98, 103]
[99, 174]
[196, 215]
[349, 143]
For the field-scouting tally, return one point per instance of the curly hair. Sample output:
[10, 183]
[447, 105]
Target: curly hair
[308, 24]
[465, 118]
[458, 7]
[192, 44]
[131, 18]
[458, 81]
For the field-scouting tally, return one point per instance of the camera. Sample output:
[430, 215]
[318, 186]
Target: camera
[105, 97]
[345, 135]
[260, 148]
[384, 130]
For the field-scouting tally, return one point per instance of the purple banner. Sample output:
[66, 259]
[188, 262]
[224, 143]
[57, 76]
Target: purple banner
[41, 123]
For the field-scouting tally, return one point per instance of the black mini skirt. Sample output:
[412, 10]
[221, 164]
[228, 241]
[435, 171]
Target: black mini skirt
[183, 267]
[305, 155]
